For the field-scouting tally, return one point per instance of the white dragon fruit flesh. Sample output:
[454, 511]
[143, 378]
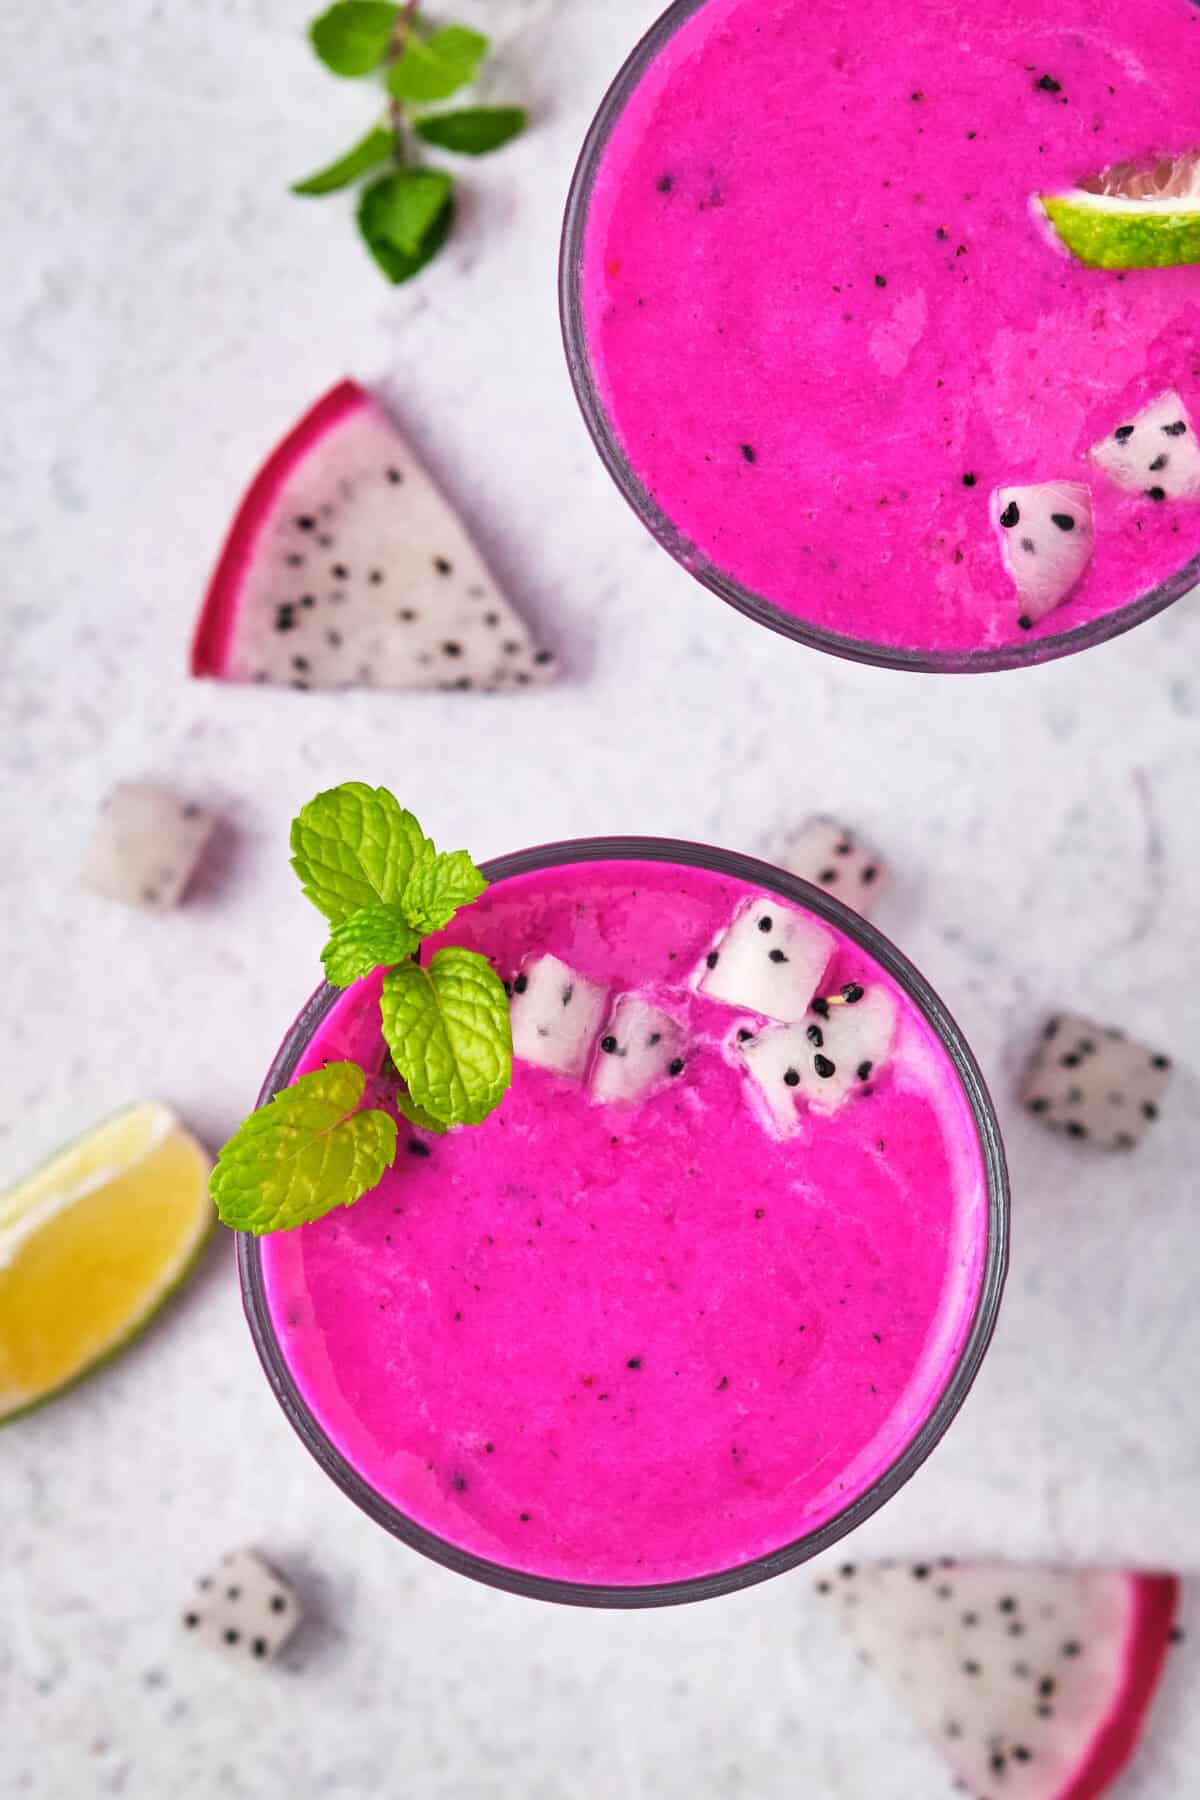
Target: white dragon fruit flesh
[830, 855]
[244, 1608]
[1033, 1681]
[145, 846]
[770, 960]
[639, 1049]
[1155, 453]
[839, 1051]
[555, 1016]
[850, 1039]
[772, 1059]
[346, 567]
[1094, 1083]
[1046, 541]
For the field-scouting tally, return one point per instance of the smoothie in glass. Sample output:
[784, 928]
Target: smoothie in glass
[820, 327]
[646, 1334]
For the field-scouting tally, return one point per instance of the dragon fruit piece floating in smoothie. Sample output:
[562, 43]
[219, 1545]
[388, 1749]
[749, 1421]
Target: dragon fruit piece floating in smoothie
[641, 1046]
[1035, 1682]
[1155, 453]
[769, 960]
[1045, 540]
[346, 567]
[555, 1014]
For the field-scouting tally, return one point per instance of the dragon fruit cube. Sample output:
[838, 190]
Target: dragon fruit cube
[830, 855]
[1155, 453]
[243, 1608]
[770, 960]
[145, 846]
[640, 1048]
[556, 1014]
[1094, 1083]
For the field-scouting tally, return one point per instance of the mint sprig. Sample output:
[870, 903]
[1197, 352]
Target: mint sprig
[405, 215]
[367, 866]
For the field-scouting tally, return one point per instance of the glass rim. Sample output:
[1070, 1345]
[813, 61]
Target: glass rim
[985, 660]
[957, 1382]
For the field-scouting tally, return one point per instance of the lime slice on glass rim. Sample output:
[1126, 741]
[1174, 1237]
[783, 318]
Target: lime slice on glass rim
[1133, 216]
[91, 1245]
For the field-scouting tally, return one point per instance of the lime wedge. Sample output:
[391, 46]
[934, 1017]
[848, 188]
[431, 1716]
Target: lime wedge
[1133, 216]
[91, 1245]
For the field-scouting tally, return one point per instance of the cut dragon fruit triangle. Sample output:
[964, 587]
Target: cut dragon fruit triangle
[1035, 1681]
[346, 567]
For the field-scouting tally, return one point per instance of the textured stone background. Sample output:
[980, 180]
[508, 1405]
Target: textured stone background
[166, 310]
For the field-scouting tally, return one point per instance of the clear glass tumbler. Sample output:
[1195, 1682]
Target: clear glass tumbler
[975, 1331]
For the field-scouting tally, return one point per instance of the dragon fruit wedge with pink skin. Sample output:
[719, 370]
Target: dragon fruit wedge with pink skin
[640, 1048]
[1046, 541]
[145, 846]
[1094, 1083]
[831, 856]
[345, 567]
[555, 1014]
[1154, 453]
[770, 961]
[1035, 1682]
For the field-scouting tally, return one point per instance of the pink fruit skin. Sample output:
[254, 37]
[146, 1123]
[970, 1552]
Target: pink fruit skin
[763, 268]
[464, 1334]
[214, 628]
[1155, 1602]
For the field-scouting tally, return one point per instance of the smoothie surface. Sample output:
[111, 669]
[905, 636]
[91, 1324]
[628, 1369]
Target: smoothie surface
[635, 1344]
[825, 323]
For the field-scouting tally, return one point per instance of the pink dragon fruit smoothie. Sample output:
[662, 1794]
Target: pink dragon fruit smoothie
[670, 1319]
[832, 350]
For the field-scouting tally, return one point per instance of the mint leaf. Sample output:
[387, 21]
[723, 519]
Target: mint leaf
[352, 38]
[448, 1031]
[303, 1154]
[435, 67]
[405, 218]
[439, 884]
[416, 1115]
[352, 847]
[404, 206]
[368, 153]
[373, 938]
[473, 130]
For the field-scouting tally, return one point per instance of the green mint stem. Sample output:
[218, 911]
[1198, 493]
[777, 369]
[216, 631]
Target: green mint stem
[399, 123]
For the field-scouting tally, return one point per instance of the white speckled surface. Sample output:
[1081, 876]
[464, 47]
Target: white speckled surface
[167, 312]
